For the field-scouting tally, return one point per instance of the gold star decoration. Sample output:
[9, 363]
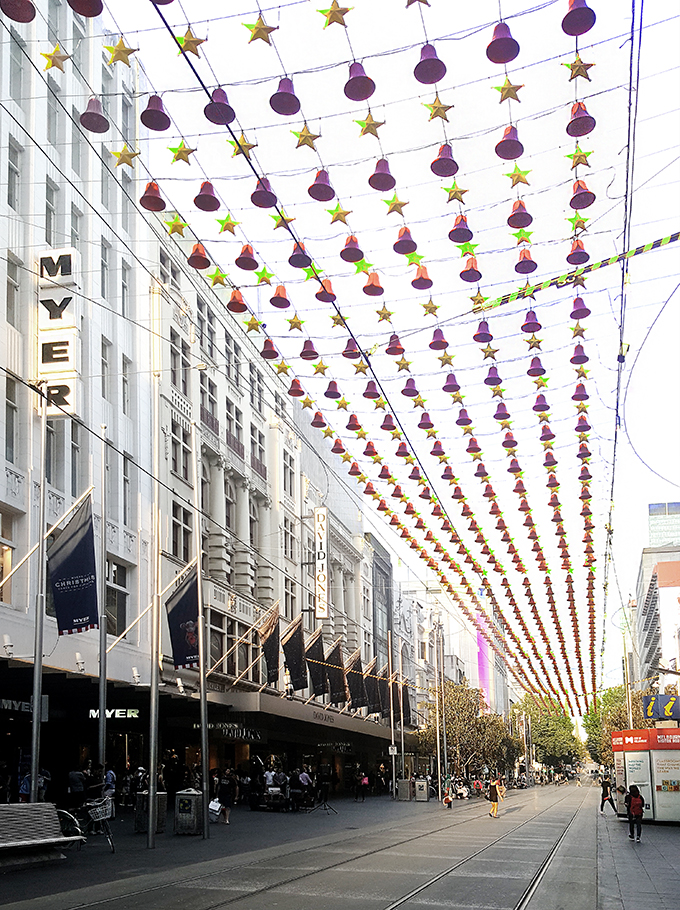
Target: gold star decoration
[582, 373]
[394, 205]
[431, 433]
[541, 382]
[261, 31]
[579, 157]
[411, 2]
[430, 308]
[533, 342]
[478, 300]
[369, 126]
[578, 281]
[361, 433]
[282, 220]
[457, 398]
[360, 367]
[253, 324]
[338, 214]
[306, 137]
[282, 368]
[379, 404]
[418, 402]
[455, 193]
[307, 402]
[437, 109]
[120, 53]
[56, 58]
[384, 315]
[264, 276]
[342, 403]
[527, 290]
[328, 432]
[409, 459]
[578, 68]
[446, 359]
[396, 434]
[578, 331]
[508, 91]
[125, 156]
[242, 146]
[295, 323]
[227, 224]
[176, 226]
[345, 457]
[190, 44]
[338, 320]
[335, 14]
[181, 153]
[320, 367]
[489, 352]
[578, 222]
[497, 392]
[517, 176]
[403, 364]
[217, 277]
[581, 407]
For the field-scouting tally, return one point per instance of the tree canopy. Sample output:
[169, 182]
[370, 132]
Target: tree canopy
[611, 713]
[552, 732]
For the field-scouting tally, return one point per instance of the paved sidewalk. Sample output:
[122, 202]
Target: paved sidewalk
[632, 876]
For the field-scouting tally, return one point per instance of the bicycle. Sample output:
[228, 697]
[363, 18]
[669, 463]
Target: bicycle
[85, 819]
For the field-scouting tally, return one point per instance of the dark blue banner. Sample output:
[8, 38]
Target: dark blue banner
[661, 707]
[183, 622]
[72, 574]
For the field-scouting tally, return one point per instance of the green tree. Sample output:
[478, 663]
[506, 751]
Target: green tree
[552, 732]
[610, 714]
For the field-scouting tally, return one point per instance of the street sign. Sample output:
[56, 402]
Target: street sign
[393, 750]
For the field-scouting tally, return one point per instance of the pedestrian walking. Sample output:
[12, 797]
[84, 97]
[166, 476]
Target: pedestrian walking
[635, 806]
[606, 795]
[495, 794]
[77, 782]
[109, 788]
[227, 793]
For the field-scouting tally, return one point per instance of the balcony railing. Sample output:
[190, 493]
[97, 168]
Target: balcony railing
[259, 467]
[210, 421]
[235, 444]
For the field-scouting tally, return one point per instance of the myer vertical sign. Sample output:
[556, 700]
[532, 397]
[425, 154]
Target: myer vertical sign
[321, 562]
[59, 329]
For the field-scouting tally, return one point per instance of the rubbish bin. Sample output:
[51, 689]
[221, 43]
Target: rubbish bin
[404, 789]
[188, 812]
[422, 791]
[142, 812]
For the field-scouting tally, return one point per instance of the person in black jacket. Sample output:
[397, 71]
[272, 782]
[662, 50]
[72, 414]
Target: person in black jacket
[606, 794]
[635, 806]
[227, 792]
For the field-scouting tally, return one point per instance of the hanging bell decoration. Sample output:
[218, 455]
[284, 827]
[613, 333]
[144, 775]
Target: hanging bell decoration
[18, 10]
[438, 343]
[88, 8]
[394, 346]
[425, 422]
[236, 302]
[92, 118]
[460, 232]
[321, 189]
[351, 351]
[451, 385]
[536, 368]
[154, 117]
[582, 425]
[519, 218]
[471, 273]
[526, 264]
[502, 48]
[405, 244]
[198, 259]
[425, 494]
[388, 424]
[444, 165]
[463, 419]
[246, 260]
[583, 451]
[338, 449]
[481, 472]
[581, 196]
[547, 434]
[473, 446]
[580, 355]
[580, 310]
[579, 20]
[318, 421]
[359, 86]
[492, 378]
[580, 393]
[332, 391]
[578, 255]
[581, 122]
[585, 475]
[263, 196]
[152, 200]
[402, 452]
[483, 335]
[422, 281]
[371, 392]
[325, 293]
[381, 179]
[372, 286]
[206, 200]
[509, 147]
[351, 252]
[448, 474]
[279, 298]
[430, 69]
[540, 405]
[531, 324]
[410, 390]
[299, 258]
[284, 101]
[509, 442]
[514, 467]
[553, 483]
[370, 451]
[308, 352]
[355, 470]
[219, 110]
[269, 352]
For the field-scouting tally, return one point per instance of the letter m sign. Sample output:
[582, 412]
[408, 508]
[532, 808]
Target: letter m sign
[58, 267]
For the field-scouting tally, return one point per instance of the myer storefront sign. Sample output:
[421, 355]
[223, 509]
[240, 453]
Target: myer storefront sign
[116, 713]
[321, 562]
[59, 329]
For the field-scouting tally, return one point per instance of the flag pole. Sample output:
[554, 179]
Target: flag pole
[401, 708]
[203, 694]
[103, 619]
[36, 708]
[392, 748]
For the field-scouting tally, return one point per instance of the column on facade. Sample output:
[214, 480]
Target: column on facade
[352, 611]
[339, 614]
[267, 543]
[244, 562]
[218, 556]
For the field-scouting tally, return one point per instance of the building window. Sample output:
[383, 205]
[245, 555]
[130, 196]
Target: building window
[125, 278]
[205, 324]
[289, 598]
[256, 389]
[77, 50]
[230, 506]
[289, 537]
[169, 273]
[53, 16]
[179, 363]
[233, 361]
[105, 251]
[12, 310]
[256, 444]
[76, 139]
[105, 180]
[422, 650]
[11, 422]
[116, 597]
[16, 67]
[51, 452]
[366, 600]
[126, 121]
[280, 405]
[75, 458]
[13, 175]
[6, 552]
[235, 428]
[205, 489]
[126, 207]
[107, 92]
[127, 490]
[216, 639]
[50, 213]
[289, 474]
[181, 450]
[106, 368]
[125, 384]
[52, 112]
[208, 395]
[76, 222]
[181, 532]
[254, 521]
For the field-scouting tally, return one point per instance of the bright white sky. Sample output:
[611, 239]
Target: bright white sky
[387, 37]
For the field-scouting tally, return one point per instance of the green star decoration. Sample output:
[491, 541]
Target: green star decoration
[579, 157]
[578, 222]
[217, 277]
[312, 271]
[227, 224]
[467, 249]
[338, 214]
[176, 226]
[518, 176]
[362, 266]
[414, 258]
[263, 276]
[523, 236]
[455, 193]
[181, 152]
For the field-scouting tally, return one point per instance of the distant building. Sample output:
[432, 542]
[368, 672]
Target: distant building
[664, 524]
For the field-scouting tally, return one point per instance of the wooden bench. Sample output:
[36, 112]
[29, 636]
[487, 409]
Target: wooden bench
[30, 833]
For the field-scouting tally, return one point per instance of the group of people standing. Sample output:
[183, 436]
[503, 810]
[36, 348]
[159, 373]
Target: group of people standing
[634, 803]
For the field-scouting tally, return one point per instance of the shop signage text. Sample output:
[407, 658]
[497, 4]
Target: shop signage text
[59, 330]
[234, 731]
[323, 718]
[321, 562]
[116, 713]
